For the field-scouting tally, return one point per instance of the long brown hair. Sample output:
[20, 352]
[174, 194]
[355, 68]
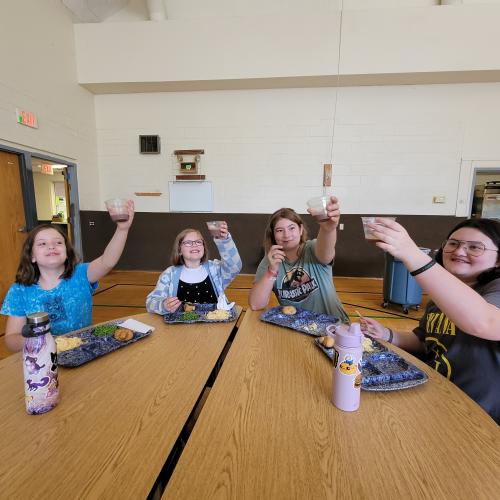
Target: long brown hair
[28, 272]
[284, 213]
[176, 258]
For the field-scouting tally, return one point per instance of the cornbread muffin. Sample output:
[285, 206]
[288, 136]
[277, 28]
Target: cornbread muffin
[290, 310]
[188, 307]
[124, 334]
[327, 342]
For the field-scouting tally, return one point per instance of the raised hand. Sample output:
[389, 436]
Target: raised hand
[223, 230]
[131, 211]
[333, 211]
[394, 238]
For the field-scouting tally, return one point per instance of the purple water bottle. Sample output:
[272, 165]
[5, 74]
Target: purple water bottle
[41, 386]
[347, 352]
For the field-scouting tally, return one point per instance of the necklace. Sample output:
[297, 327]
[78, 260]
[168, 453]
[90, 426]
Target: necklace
[297, 263]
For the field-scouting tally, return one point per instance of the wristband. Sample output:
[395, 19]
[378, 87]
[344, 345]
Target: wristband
[422, 269]
[272, 274]
[391, 336]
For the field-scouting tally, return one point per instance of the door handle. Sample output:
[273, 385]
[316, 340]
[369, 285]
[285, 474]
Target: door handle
[22, 229]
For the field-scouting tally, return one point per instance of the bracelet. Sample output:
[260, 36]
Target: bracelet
[422, 269]
[272, 274]
[391, 336]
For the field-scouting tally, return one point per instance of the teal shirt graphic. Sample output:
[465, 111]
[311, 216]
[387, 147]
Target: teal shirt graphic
[69, 304]
[307, 284]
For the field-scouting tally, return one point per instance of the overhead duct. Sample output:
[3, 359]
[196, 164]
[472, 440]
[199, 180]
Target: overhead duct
[93, 11]
[156, 10]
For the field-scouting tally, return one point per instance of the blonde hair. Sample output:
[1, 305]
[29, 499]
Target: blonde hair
[176, 258]
[284, 213]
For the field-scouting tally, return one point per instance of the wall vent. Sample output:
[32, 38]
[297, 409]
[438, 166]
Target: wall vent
[149, 144]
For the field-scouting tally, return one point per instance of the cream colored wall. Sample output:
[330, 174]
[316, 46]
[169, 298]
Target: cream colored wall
[39, 74]
[195, 9]
[224, 48]
[387, 45]
[395, 147]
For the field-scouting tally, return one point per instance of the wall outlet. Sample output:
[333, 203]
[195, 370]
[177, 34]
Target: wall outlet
[439, 199]
[341, 227]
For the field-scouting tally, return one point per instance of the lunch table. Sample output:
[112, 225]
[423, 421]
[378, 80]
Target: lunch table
[269, 430]
[118, 418]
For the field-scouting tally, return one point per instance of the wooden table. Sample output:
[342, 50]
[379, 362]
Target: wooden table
[118, 418]
[269, 431]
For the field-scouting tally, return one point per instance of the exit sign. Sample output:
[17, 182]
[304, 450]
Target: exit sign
[26, 118]
[46, 168]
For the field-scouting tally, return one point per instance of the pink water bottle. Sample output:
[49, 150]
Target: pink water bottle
[347, 354]
[41, 386]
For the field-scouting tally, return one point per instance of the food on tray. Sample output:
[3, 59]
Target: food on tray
[189, 316]
[311, 327]
[123, 334]
[67, 343]
[103, 330]
[188, 306]
[218, 314]
[368, 345]
[290, 310]
[300, 320]
[327, 342]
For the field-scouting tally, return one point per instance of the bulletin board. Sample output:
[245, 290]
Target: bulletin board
[191, 196]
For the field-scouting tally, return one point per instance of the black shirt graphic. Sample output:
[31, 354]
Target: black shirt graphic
[470, 362]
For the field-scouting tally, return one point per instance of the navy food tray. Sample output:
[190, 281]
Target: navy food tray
[303, 321]
[384, 370]
[93, 347]
[201, 310]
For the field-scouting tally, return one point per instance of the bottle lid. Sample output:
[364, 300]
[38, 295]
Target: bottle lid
[350, 338]
[37, 318]
[36, 324]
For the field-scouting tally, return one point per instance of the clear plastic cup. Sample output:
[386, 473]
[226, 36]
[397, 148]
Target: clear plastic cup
[317, 207]
[117, 208]
[371, 220]
[214, 227]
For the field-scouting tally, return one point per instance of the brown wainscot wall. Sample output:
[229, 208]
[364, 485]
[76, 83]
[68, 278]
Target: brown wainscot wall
[152, 234]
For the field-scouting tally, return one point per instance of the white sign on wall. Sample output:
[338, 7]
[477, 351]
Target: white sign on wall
[191, 196]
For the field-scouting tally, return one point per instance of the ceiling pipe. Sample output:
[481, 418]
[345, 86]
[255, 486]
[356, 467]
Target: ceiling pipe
[156, 10]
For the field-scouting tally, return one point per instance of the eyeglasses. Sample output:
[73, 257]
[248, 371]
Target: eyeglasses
[474, 248]
[192, 243]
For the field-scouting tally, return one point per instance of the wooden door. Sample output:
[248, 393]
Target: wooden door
[12, 220]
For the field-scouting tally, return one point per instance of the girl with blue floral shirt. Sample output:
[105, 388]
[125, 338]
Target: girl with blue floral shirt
[50, 279]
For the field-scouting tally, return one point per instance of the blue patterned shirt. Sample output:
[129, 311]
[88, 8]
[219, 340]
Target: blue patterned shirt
[69, 304]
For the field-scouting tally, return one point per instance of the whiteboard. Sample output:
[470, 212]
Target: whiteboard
[191, 196]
